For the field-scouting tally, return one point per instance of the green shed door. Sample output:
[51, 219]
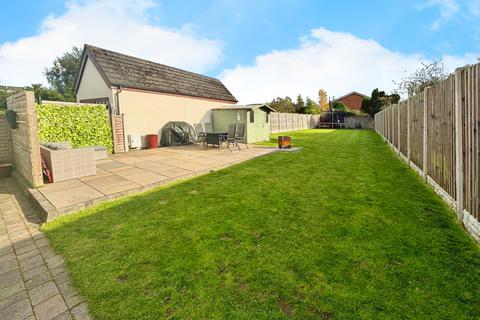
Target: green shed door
[258, 128]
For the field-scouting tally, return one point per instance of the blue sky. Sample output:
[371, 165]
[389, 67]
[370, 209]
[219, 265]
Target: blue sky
[250, 44]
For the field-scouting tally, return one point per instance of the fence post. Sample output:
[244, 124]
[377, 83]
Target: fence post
[425, 135]
[408, 130]
[398, 128]
[459, 143]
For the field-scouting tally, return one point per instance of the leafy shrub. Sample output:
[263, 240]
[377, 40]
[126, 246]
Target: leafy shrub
[81, 125]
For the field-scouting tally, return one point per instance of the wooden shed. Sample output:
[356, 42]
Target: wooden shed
[255, 116]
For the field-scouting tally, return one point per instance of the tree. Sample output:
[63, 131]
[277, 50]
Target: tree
[339, 106]
[311, 107]
[61, 75]
[428, 75]
[283, 105]
[323, 100]
[300, 105]
[378, 100]
[42, 93]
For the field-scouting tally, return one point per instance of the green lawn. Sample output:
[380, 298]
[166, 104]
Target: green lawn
[340, 230]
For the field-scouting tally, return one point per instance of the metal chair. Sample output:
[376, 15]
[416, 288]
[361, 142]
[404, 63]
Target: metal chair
[201, 134]
[230, 138]
[208, 127]
[213, 139]
[240, 135]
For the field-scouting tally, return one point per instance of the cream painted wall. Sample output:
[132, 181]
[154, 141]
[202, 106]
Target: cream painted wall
[92, 84]
[147, 112]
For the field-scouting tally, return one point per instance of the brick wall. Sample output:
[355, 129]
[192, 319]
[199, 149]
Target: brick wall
[352, 101]
[5, 144]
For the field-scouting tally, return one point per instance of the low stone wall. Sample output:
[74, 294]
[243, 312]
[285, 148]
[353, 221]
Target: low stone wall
[355, 122]
[5, 141]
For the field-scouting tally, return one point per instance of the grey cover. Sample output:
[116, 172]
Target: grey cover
[177, 133]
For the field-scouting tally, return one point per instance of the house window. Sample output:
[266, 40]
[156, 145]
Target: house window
[252, 116]
[238, 116]
[267, 114]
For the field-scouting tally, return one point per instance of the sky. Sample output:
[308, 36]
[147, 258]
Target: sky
[260, 49]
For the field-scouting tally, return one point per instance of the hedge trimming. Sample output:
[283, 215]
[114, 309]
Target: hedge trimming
[82, 125]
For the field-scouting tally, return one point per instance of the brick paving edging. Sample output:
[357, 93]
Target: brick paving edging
[34, 282]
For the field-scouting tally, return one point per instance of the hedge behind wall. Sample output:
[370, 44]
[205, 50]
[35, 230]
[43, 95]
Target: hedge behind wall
[82, 125]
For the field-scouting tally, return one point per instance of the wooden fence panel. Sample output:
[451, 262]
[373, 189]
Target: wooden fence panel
[471, 120]
[283, 122]
[445, 149]
[416, 130]
[441, 135]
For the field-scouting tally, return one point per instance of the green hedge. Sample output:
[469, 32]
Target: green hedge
[81, 125]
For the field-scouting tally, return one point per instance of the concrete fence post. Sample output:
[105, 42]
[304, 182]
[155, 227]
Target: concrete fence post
[398, 128]
[459, 143]
[408, 130]
[425, 133]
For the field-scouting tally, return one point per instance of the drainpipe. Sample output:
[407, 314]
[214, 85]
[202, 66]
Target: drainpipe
[117, 99]
[117, 102]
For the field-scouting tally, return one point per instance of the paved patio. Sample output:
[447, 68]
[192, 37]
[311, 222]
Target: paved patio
[34, 283]
[135, 171]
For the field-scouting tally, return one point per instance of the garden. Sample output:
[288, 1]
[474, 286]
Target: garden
[341, 229]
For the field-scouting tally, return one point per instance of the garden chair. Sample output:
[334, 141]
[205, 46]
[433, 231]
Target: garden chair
[240, 135]
[200, 132]
[230, 138]
[208, 127]
[213, 139]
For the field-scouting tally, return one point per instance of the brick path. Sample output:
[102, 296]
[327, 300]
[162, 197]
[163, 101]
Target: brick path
[34, 283]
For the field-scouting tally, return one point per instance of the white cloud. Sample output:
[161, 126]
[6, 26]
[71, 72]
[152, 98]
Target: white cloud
[121, 26]
[336, 61]
[448, 10]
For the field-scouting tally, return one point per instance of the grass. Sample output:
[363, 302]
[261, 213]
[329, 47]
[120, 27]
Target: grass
[340, 230]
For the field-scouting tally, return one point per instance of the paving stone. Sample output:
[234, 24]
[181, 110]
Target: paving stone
[47, 252]
[58, 270]
[10, 278]
[27, 275]
[42, 242]
[22, 243]
[66, 290]
[31, 262]
[11, 290]
[26, 249]
[16, 311]
[42, 292]
[13, 299]
[80, 312]
[54, 262]
[64, 316]
[8, 265]
[61, 278]
[50, 308]
[5, 249]
[29, 254]
[73, 301]
[37, 280]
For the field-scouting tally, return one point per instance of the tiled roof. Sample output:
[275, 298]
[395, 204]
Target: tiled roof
[122, 70]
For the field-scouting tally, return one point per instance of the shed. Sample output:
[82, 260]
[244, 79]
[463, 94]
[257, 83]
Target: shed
[255, 116]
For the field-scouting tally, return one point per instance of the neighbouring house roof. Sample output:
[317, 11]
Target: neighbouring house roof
[246, 107]
[126, 71]
[349, 94]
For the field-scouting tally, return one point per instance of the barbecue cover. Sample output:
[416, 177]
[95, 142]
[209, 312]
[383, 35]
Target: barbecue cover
[177, 133]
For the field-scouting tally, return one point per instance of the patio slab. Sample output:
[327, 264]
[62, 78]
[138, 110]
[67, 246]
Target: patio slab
[135, 171]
